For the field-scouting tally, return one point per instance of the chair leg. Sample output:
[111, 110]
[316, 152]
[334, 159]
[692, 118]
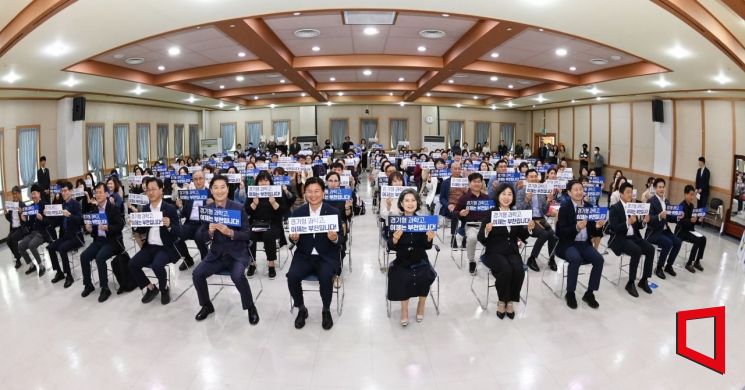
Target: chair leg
[436, 300]
[483, 305]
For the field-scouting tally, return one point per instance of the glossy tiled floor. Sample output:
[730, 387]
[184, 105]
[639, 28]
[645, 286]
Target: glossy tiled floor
[54, 339]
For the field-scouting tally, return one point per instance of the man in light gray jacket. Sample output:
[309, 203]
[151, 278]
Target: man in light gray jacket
[542, 231]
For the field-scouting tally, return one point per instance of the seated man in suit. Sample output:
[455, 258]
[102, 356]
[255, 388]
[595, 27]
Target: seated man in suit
[190, 211]
[575, 246]
[627, 240]
[449, 198]
[71, 235]
[38, 232]
[686, 231]
[659, 232]
[17, 230]
[543, 232]
[107, 242]
[229, 251]
[315, 254]
[159, 247]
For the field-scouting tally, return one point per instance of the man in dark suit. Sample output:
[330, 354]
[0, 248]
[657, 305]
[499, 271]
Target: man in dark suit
[543, 232]
[294, 147]
[315, 254]
[38, 233]
[228, 251]
[625, 239]
[502, 149]
[42, 177]
[448, 198]
[159, 246]
[575, 246]
[17, 230]
[190, 211]
[107, 242]
[702, 182]
[659, 233]
[71, 235]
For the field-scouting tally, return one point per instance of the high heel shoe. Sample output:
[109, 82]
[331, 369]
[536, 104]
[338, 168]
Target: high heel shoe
[500, 314]
[419, 317]
[510, 311]
[404, 322]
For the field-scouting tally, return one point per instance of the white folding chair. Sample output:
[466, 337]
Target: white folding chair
[490, 285]
[434, 294]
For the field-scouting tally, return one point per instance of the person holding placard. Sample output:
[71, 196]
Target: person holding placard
[159, 246]
[38, 232]
[71, 235]
[387, 206]
[228, 251]
[687, 232]
[615, 195]
[17, 229]
[575, 246]
[266, 224]
[114, 193]
[410, 275]
[449, 196]
[625, 239]
[659, 233]
[189, 209]
[315, 254]
[107, 242]
[502, 254]
[468, 214]
[538, 203]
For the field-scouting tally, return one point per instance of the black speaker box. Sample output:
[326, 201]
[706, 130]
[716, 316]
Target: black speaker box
[78, 109]
[658, 114]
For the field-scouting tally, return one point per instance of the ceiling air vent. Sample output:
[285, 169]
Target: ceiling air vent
[432, 34]
[598, 61]
[307, 33]
[134, 60]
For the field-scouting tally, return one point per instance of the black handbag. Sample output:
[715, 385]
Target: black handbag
[120, 268]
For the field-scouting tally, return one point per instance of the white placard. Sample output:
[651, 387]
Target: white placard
[78, 192]
[11, 206]
[511, 218]
[565, 175]
[53, 210]
[350, 162]
[240, 166]
[638, 209]
[291, 167]
[88, 183]
[458, 182]
[539, 188]
[427, 165]
[138, 199]
[346, 173]
[392, 192]
[138, 179]
[557, 184]
[488, 175]
[286, 159]
[262, 167]
[344, 181]
[154, 218]
[233, 178]
[263, 191]
[308, 225]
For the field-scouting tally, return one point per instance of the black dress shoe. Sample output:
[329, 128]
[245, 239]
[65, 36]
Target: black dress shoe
[302, 314]
[253, 315]
[689, 267]
[68, 281]
[454, 243]
[31, 269]
[105, 294]
[463, 243]
[150, 294]
[631, 289]
[272, 273]
[120, 290]
[472, 267]
[532, 264]
[87, 290]
[552, 264]
[165, 297]
[669, 269]
[204, 312]
[698, 266]
[18, 263]
[251, 270]
[186, 264]
[58, 276]
[589, 298]
[42, 270]
[571, 300]
[644, 285]
[660, 274]
[326, 321]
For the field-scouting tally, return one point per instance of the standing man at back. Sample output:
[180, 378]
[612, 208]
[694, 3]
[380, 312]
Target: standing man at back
[702, 182]
[597, 162]
[42, 178]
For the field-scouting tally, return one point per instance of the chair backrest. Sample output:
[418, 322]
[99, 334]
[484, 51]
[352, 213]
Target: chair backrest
[715, 203]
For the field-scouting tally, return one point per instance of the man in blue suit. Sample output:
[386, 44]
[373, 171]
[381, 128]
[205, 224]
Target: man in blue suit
[71, 234]
[659, 231]
[315, 254]
[190, 211]
[229, 251]
[159, 246]
[575, 245]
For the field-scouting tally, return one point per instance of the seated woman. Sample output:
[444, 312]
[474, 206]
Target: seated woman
[265, 215]
[237, 190]
[502, 254]
[615, 195]
[410, 274]
[333, 182]
[687, 232]
[113, 191]
[387, 208]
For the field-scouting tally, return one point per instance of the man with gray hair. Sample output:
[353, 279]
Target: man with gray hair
[190, 210]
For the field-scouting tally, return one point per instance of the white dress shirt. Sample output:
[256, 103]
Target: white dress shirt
[153, 236]
[316, 213]
[629, 228]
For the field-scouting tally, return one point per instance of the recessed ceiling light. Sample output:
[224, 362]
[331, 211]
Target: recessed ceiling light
[367, 72]
[445, 15]
[272, 106]
[615, 57]
[191, 99]
[678, 52]
[134, 60]
[509, 28]
[239, 78]
[510, 86]
[429, 94]
[475, 97]
[297, 13]
[221, 104]
[237, 108]
[421, 49]
[494, 55]
[56, 49]
[332, 78]
[232, 26]
[315, 48]
[662, 82]
[241, 54]
[599, 98]
[540, 29]
[303, 94]
[574, 101]
[282, 81]
[493, 107]
[274, 93]
[708, 91]
[401, 79]
[208, 82]
[71, 81]
[572, 68]
[119, 56]
[138, 90]
[329, 103]
[174, 51]
[598, 61]
[11, 77]
[390, 93]
[458, 105]
[402, 104]
[540, 99]
[561, 52]
[494, 78]
[721, 78]
[307, 33]
[432, 34]
[256, 98]
[370, 31]
[534, 106]
[161, 68]
[593, 90]
[510, 104]
[340, 93]
[451, 81]
[222, 87]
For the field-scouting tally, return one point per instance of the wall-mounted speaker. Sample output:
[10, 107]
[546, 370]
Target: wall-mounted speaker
[658, 113]
[78, 109]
